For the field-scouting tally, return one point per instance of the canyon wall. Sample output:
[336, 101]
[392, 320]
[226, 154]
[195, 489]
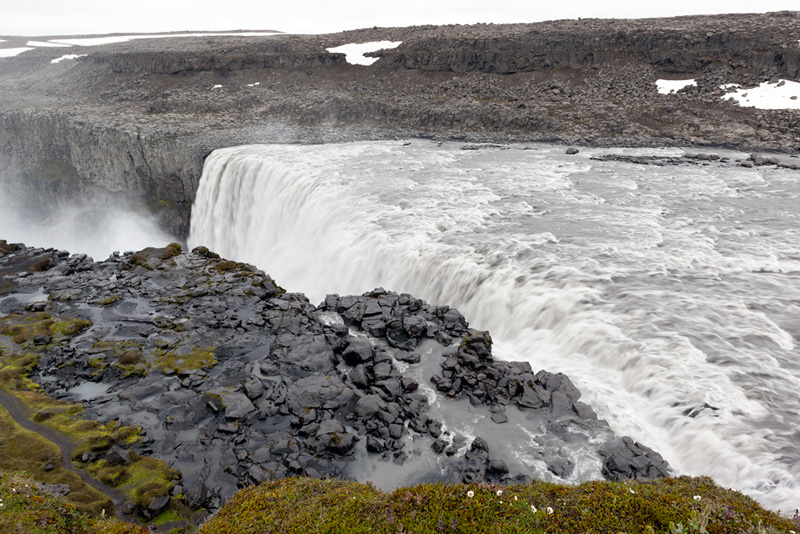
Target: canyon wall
[136, 119]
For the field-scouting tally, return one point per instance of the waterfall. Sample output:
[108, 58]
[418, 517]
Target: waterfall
[638, 285]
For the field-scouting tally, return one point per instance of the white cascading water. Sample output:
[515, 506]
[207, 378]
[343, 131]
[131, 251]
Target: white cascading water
[669, 294]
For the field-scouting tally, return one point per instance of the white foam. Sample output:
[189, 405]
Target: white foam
[354, 52]
[218, 86]
[784, 94]
[44, 44]
[657, 291]
[253, 84]
[666, 87]
[68, 56]
[11, 52]
[96, 41]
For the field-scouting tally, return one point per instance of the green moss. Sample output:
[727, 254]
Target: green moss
[226, 266]
[21, 449]
[150, 257]
[167, 516]
[140, 260]
[302, 505]
[23, 328]
[70, 327]
[27, 510]
[204, 252]
[111, 299]
[127, 356]
[147, 479]
[140, 480]
[184, 361]
[14, 370]
[172, 250]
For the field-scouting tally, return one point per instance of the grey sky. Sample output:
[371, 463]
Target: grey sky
[69, 17]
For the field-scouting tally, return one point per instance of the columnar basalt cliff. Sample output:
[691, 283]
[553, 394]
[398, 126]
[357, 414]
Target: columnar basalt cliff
[138, 118]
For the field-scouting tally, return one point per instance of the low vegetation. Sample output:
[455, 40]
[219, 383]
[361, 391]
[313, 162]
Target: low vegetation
[21, 449]
[669, 506]
[665, 506]
[40, 328]
[26, 509]
[141, 479]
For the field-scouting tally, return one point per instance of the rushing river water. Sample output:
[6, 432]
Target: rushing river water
[669, 294]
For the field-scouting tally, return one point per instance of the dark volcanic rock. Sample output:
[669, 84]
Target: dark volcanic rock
[233, 387]
[627, 459]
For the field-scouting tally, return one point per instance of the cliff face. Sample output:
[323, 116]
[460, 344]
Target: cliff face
[54, 156]
[682, 45]
[137, 118]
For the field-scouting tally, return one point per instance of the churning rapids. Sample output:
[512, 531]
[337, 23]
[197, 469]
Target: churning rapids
[669, 294]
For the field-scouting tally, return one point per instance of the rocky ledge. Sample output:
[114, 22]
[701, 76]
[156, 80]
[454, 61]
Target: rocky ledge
[234, 381]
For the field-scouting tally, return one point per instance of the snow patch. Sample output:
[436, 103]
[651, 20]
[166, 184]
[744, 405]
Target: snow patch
[253, 84]
[96, 41]
[354, 52]
[216, 87]
[666, 87]
[45, 44]
[68, 56]
[784, 94]
[11, 52]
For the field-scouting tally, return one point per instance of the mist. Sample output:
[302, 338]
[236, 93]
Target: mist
[93, 230]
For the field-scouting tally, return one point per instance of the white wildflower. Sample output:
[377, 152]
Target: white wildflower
[499, 492]
[549, 510]
[470, 494]
[533, 509]
[697, 497]
[631, 490]
[515, 497]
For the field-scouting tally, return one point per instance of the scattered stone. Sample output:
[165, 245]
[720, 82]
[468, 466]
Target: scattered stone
[626, 459]
[57, 490]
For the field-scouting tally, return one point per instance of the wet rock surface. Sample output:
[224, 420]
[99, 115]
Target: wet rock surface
[234, 381]
[146, 113]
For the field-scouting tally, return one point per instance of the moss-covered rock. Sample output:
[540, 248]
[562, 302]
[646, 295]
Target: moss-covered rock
[40, 328]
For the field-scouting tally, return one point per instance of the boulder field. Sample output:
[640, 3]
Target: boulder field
[233, 381]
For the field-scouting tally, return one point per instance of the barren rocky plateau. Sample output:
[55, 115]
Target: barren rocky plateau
[137, 119]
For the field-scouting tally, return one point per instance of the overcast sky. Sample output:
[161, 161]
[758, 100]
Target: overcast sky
[72, 17]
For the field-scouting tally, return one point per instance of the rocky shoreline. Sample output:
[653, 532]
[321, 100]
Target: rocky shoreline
[135, 120]
[233, 381]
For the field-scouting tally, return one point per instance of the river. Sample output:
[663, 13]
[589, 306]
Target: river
[669, 294]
